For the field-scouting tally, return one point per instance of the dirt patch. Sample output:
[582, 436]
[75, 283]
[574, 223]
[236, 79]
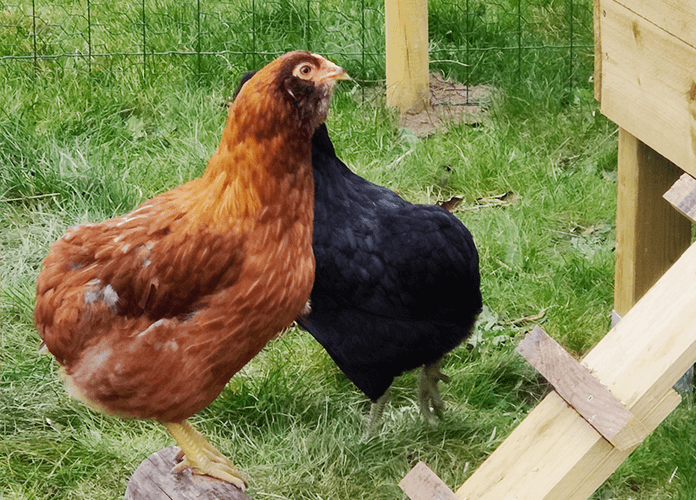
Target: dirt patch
[451, 103]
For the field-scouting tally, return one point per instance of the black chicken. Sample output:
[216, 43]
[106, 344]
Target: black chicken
[396, 287]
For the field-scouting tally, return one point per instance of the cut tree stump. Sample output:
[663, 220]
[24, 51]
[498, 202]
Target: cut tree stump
[154, 480]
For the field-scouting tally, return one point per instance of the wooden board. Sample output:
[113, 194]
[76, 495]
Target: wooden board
[554, 454]
[682, 196]
[576, 385]
[650, 234]
[676, 17]
[153, 480]
[421, 483]
[648, 82]
[598, 54]
[596, 467]
[408, 78]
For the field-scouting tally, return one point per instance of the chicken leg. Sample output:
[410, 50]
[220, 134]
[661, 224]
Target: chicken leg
[202, 457]
[431, 403]
[376, 415]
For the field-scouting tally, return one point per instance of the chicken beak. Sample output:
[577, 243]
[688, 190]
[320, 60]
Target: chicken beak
[333, 74]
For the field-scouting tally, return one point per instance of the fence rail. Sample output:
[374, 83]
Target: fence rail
[477, 41]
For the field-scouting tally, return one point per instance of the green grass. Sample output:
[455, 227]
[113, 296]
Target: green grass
[77, 147]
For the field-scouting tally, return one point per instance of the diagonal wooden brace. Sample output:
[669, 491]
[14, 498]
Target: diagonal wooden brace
[682, 195]
[581, 390]
[421, 483]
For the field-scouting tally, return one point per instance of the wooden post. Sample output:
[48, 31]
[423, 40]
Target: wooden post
[153, 480]
[650, 234]
[408, 86]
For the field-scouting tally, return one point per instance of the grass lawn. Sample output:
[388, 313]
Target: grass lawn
[76, 148]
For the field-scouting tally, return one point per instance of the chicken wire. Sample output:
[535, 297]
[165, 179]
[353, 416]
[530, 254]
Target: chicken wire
[476, 41]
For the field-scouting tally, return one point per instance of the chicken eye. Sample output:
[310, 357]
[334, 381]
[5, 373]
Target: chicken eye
[304, 71]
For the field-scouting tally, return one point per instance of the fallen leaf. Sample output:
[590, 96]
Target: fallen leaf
[450, 204]
[529, 319]
[500, 199]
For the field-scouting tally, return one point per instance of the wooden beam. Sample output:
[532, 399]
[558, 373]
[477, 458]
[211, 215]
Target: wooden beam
[421, 483]
[676, 17]
[153, 480]
[682, 196]
[408, 78]
[554, 454]
[650, 234]
[576, 385]
[648, 81]
[598, 55]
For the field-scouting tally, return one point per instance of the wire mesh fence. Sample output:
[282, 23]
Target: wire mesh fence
[474, 40]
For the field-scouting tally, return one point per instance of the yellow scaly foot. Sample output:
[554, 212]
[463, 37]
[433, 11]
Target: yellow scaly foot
[202, 457]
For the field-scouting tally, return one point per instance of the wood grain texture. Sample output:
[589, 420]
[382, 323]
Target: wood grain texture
[648, 80]
[676, 17]
[554, 454]
[598, 55]
[408, 79]
[682, 196]
[576, 385]
[421, 483]
[598, 465]
[153, 480]
[650, 234]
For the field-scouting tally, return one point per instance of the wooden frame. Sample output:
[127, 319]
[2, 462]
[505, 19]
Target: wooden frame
[645, 79]
[555, 454]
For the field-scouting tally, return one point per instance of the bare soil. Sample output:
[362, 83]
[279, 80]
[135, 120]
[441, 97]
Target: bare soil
[450, 103]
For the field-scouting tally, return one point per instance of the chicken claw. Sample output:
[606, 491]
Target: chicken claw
[376, 416]
[431, 403]
[202, 457]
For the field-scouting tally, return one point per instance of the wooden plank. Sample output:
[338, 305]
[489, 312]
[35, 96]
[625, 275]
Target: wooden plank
[685, 385]
[153, 480]
[421, 483]
[650, 234]
[555, 454]
[576, 385]
[600, 464]
[654, 344]
[597, 78]
[682, 196]
[676, 17]
[408, 79]
[649, 83]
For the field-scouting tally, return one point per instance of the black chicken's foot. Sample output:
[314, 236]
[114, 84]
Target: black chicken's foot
[431, 404]
[376, 415]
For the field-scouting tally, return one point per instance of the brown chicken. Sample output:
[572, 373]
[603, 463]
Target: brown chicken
[150, 314]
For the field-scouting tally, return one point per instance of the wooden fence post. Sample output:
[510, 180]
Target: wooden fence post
[408, 86]
[650, 234]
